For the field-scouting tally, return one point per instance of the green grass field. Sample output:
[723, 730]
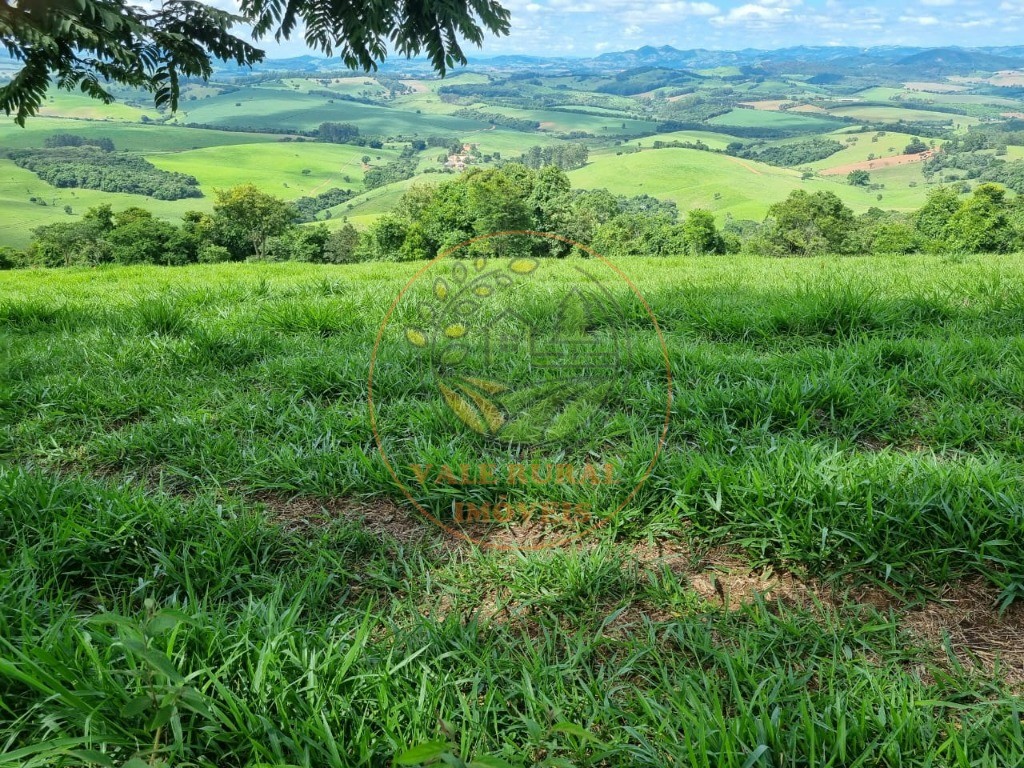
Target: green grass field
[860, 145]
[78, 105]
[754, 118]
[206, 561]
[719, 183]
[276, 168]
[713, 140]
[895, 114]
[282, 108]
[133, 137]
[20, 215]
[559, 121]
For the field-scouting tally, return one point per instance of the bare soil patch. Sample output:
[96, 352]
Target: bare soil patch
[930, 87]
[809, 109]
[960, 626]
[766, 105]
[749, 167]
[416, 86]
[877, 164]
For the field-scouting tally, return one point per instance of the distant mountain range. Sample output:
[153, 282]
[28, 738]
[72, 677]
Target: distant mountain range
[812, 59]
[918, 60]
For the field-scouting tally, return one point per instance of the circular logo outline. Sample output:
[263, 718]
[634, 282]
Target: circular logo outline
[662, 438]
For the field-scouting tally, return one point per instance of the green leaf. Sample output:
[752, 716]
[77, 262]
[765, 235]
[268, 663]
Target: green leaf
[93, 757]
[755, 756]
[136, 706]
[489, 761]
[574, 730]
[422, 753]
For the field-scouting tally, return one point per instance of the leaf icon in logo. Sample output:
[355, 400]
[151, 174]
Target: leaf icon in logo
[473, 409]
[523, 266]
[441, 290]
[490, 387]
[416, 337]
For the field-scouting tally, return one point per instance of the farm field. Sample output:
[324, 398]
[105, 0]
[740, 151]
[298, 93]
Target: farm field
[21, 215]
[134, 137]
[198, 523]
[262, 108]
[719, 183]
[713, 140]
[611, 110]
[749, 118]
[895, 114]
[278, 168]
[859, 147]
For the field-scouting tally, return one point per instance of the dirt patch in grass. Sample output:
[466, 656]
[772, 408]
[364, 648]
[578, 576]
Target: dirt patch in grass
[381, 517]
[960, 625]
[766, 105]
[416, 86]
[965, 628]
[749, 167]
[934, 87]
[809, 109]
[877, 164]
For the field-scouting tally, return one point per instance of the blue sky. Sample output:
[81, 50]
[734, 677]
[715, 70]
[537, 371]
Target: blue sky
[589, 27]
[579, 27]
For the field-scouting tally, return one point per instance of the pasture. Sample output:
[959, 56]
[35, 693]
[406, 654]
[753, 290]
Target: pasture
[132, 137]
[287, 170]
[719, 183]
[207, 562]
[281, 108]
[756, 118]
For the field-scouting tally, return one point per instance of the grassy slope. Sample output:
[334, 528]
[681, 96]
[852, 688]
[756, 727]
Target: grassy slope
[849, 418]
[78, 105]
[713, 140]
[281, 108]
[863, 144]
[275, 168]
[751, 118]
[20, 216]
[692, 178]
[132, 137]
[894, 114]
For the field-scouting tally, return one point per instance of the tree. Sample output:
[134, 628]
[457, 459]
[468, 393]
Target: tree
[244, 218]
[981, 225]
[342, 245]
[69, 243]
[915, 147]
[858, 178]
[809, 224]
[700, 234]
[85, 44]
[10, 258]
[933, 218]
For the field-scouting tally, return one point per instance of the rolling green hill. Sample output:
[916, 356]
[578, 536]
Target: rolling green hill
[723, 184]
[282, 109]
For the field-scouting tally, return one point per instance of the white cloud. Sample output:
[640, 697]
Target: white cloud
[924, 21]
[686, 9]
[761, 14]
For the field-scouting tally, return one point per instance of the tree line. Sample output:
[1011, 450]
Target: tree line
[91, 166]
[249, 224]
